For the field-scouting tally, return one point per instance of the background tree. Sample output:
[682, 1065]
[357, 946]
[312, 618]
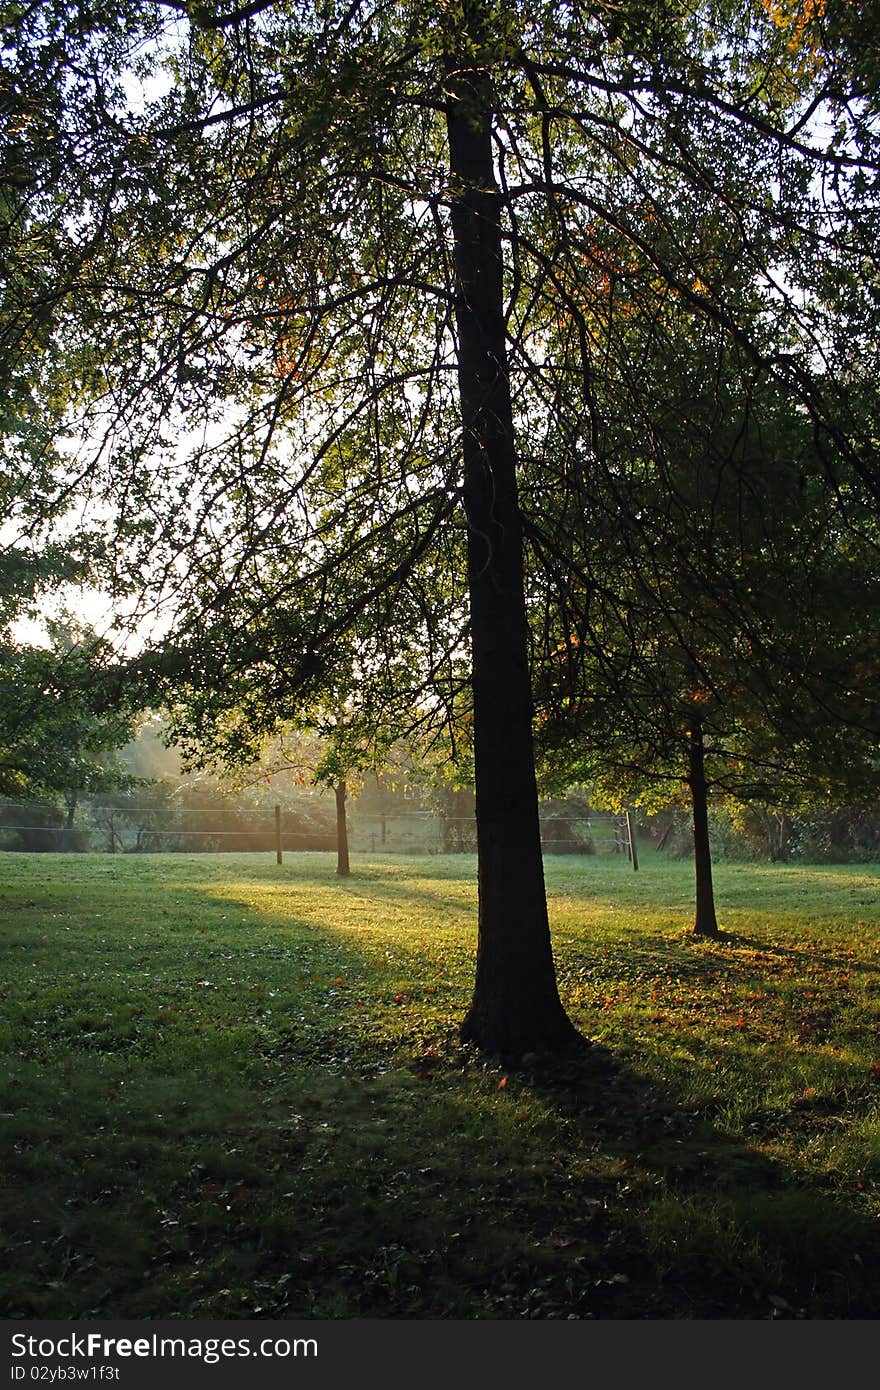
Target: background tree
[726, 641]
[61, 725]
[317, 752]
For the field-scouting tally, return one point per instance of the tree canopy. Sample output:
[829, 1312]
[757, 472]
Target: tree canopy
[61, 724]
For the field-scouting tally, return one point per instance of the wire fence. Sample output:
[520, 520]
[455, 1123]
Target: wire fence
[122, 826]
[424, 832]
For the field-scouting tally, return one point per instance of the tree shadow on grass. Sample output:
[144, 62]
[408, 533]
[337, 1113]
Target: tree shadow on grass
[203, 1125]
[681, 955]
[705, 1203]
[702, 1223]
[801, 955]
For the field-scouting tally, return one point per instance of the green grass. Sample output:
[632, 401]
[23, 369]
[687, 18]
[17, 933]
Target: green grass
[232, 1089]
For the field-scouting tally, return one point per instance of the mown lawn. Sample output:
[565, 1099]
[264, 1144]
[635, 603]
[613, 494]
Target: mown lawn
[233, 1089]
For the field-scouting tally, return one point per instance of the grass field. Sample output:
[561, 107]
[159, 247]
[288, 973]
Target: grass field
[233, 1089]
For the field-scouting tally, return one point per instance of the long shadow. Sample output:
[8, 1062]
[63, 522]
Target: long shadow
[692, 959]
[801, 955]
[233, 1143]
[734, 1232]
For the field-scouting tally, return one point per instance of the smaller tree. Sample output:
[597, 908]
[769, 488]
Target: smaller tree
[314, 756]
[717, 636]
[320, 748]
[64, 716]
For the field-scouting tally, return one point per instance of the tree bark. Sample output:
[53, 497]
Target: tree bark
[343, 868]
[515, 1008]
[705, 922]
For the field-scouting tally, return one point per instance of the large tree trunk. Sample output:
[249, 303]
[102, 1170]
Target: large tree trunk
[515, 1008]
[705, 922]
[343, 868]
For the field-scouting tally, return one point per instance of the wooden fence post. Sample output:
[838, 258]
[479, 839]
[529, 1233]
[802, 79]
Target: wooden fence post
[278, 856]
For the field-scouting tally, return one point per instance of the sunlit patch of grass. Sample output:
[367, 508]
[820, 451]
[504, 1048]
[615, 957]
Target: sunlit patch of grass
[235, 1089]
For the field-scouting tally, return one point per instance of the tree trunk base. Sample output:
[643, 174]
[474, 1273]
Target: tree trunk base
[711, 930]
[499, 1035]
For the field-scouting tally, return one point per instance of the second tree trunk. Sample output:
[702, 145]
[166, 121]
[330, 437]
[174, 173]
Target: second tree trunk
[705, 922]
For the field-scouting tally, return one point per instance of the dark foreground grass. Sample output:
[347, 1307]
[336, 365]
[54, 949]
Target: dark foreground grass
[232, 1089]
